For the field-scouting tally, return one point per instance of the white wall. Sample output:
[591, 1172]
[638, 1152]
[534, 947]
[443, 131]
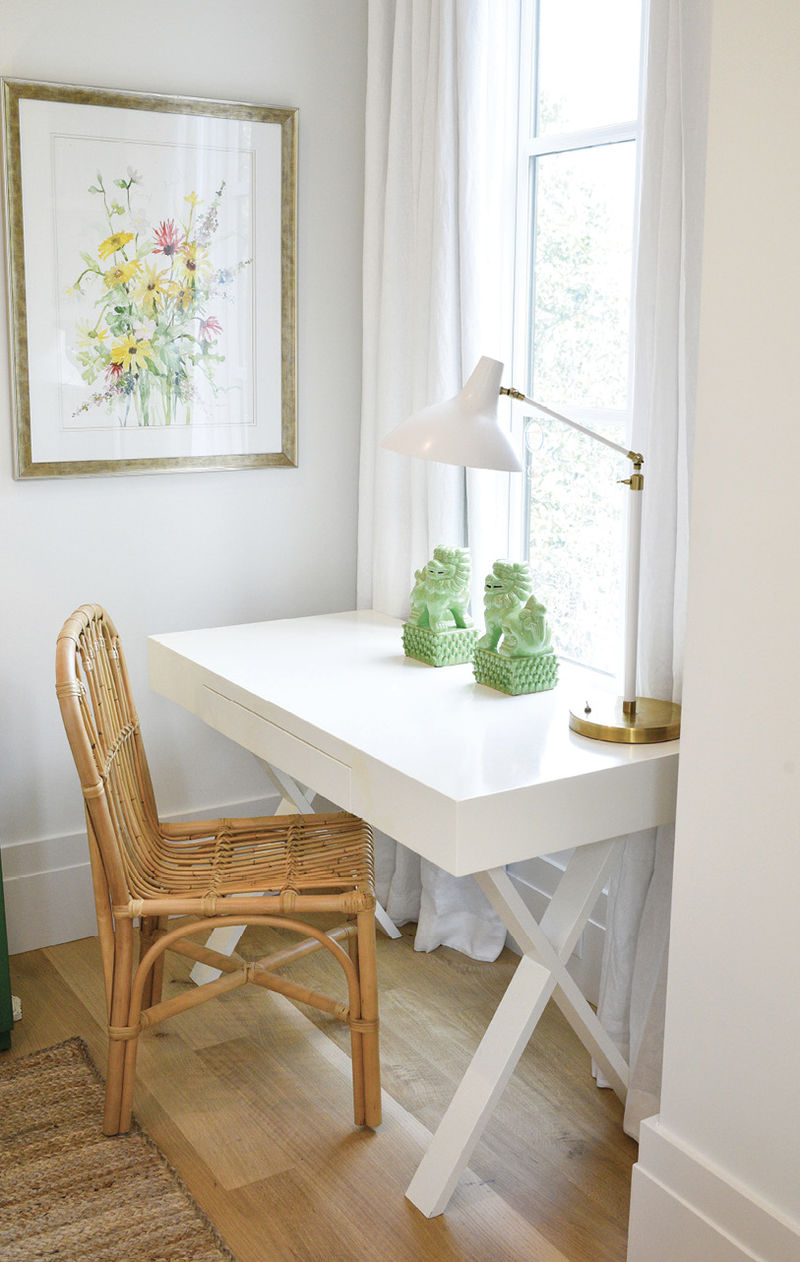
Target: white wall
[168, 551]
[718, 1178]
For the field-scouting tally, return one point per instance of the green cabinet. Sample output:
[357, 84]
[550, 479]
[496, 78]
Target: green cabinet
[6, 1012]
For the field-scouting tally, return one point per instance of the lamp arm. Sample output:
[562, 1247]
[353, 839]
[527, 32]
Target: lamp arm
[582, 429]
[636, 483]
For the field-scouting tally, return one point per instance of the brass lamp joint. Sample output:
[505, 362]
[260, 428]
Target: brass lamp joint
[636, 480]
[512, 393]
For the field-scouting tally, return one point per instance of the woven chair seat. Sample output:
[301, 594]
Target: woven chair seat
[306, 853]
[200, 874]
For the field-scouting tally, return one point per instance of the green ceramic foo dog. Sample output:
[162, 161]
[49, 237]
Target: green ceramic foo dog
[504, 592]
[516, 654]
[526, 631]
[439, 630]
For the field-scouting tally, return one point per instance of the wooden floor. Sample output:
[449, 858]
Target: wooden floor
[249, 1099]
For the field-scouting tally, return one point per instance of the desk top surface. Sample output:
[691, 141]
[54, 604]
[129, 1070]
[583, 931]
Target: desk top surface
[341, 684]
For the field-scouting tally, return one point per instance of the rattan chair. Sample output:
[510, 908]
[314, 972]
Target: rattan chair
[147, 871]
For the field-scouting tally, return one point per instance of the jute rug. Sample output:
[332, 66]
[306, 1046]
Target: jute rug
[69, 1192]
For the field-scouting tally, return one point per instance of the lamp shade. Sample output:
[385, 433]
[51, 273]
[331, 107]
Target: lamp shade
[464, 430]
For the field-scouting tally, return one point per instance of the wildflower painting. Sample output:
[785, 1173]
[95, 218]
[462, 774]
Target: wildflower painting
[153, 281]
[149, 343]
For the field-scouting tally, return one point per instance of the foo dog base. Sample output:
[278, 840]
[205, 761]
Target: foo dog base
[451, 647]
[516, 675]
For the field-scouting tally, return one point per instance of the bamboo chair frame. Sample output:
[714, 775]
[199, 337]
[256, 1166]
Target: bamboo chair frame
[210, 873]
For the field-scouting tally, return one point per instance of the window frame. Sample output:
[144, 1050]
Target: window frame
[529, 148]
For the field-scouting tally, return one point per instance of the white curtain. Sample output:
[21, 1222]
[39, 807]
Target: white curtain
[437, 296]
[633, 982]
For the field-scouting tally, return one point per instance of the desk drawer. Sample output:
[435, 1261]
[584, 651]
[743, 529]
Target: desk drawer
[299, 759]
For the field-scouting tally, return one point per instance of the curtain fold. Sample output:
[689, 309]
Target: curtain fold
[633, 979]
[437, 296]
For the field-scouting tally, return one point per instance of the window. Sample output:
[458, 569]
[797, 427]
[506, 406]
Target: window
[581, 90]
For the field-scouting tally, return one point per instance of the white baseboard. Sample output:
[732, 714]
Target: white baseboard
[536, 881]
[683, 1207]
[48, 892]
[48, 884]
[49, 899]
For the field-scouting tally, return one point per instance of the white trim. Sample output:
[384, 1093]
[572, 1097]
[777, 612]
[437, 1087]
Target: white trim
[48, 906]
[48, 883]
[683, 1205]
[587, 138]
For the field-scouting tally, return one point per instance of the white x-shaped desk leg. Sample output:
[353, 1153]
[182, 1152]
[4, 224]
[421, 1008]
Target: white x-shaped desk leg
[294, 801]
[541, 972]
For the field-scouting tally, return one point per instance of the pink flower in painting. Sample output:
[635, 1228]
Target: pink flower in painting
[113, 373]
[168, 238]
[210, 329]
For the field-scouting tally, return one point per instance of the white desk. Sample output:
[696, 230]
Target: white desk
[468, 777]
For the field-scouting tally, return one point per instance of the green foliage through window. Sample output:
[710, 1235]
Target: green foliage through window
[579, 245]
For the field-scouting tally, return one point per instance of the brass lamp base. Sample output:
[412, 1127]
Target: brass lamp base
[603, 718]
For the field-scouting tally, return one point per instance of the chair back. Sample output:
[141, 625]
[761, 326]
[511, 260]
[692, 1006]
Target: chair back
[103, 731]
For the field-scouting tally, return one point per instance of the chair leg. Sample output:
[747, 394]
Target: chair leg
[128, 1083]
[120, 1003]
[144, 992]
[158, 967]
[147, 926]
[149, 929]
[370, 1041]
[356, 1044]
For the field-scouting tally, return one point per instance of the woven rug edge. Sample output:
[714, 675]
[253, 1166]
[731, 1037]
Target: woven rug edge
[77, 1042]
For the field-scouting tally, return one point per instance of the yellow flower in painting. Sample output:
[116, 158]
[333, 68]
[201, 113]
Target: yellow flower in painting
[183, 295]
[88, 335]
[131, 355]
[151, 289]
[193, 260]
[121, 273]
[193, 199]
[113, 243]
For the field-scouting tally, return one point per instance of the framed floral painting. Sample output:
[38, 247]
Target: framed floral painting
[151, 258]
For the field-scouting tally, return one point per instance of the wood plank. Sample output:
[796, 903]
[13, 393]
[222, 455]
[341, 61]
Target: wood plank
[249, 1098]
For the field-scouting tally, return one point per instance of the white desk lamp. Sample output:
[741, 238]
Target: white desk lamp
[465, 431]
